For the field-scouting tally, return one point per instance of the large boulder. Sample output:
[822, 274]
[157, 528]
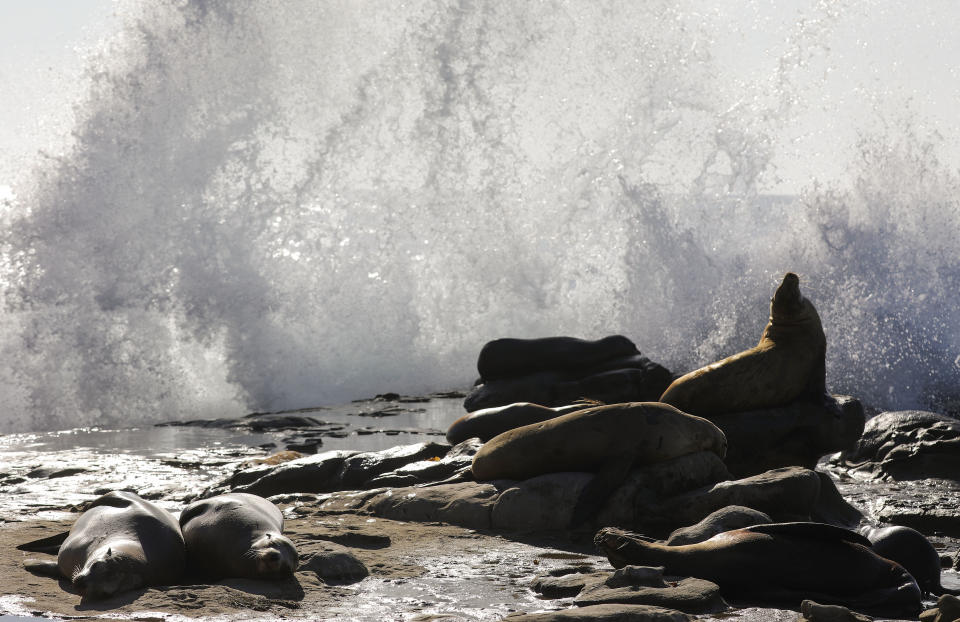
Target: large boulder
[907, 445]
[797, 434]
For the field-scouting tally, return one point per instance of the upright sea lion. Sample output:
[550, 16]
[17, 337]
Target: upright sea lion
[782, 563]
[488, 422]
[788, 362]
[911, 549]
[120, 543]
[237, 535]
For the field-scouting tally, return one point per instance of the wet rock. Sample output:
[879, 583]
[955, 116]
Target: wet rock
[689, 595]
[947, 610]
[907, 445]
[340, 470]
[647, 576]
[332, 563]
[544, 502]
[647, 485]
[832, 508]
[565, 586]
[360, 468]
[724, 519]
[605, 613]
[456, 461]
[815, 612]
[319, 473]
[468, 504]
[54, 472]
[798, 434]
[784, 494]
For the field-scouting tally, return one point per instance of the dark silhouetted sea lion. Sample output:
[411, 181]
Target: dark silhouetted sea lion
[782, 563]
[911, 549]
[488, 422]
[120, 543]
[508, 358]
[787, 363]
[237, 535]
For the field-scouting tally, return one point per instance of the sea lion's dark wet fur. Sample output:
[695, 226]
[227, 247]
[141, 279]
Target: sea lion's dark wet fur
[780, 564]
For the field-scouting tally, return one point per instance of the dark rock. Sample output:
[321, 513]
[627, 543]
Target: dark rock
[565, 586]
[815, 612]
[605, 613]
[319, 473]
[797, 434]
[360, 468]
[54, 473]
[646, 576]
[832, 508]
[947, 610]
[689, 595]
[468, 504]
[333, 563]
[456, 461]
[724, 519]
[906, 445]
[786, 494]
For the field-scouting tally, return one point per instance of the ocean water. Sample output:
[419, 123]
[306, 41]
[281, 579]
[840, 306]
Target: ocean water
[265, 206]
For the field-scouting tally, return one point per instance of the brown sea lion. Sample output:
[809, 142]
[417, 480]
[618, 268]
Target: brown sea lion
[789, 362]
[237, 535]
[782, 563]
[644, 432]
[488, 422]
[120, 543]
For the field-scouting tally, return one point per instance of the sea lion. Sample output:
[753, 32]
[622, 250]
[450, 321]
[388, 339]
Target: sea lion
[646, 432]
[237, 535]
[789, 362]
[911, 549]
[488, 422]
[508, 357]
[553, 388]
[783, 563]
[120, 543]
[607, 440]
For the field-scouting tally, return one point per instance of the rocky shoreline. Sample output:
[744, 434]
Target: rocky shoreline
[404, 533]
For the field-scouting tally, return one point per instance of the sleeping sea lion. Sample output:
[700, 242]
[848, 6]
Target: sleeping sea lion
[509, 357]
[783, 563]
[120, 543]
[789, 362]
[607, 440]
[237, 535]
[488, 422]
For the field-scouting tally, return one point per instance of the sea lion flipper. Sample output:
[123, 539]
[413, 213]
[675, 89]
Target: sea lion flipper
[43, 567]
[50, 544]
[817, 531]
[607, 478]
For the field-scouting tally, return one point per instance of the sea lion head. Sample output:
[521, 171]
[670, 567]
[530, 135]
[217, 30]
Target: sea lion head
[788, 305]
[106, 573]
[271, 555]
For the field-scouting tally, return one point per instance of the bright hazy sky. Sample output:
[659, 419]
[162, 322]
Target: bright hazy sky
[881, 53]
